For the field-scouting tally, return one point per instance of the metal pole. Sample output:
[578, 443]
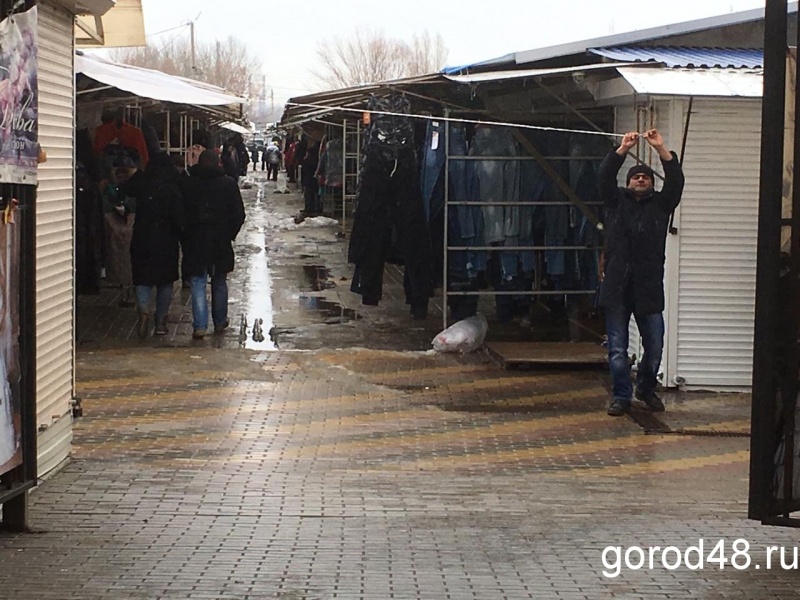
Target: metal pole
[789, 389]
[344, 176]
[763, 436]
[446, 215]
[191, 36]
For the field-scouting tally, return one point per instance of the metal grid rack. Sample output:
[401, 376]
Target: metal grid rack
[539, 249]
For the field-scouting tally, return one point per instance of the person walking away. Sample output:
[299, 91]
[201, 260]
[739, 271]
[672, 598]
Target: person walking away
[214, 216]
[308, 180]
[242, 153]
[119, 211]
[636, 223]
[254, 157]
[273, 160]
[230, 160]
[156, 237]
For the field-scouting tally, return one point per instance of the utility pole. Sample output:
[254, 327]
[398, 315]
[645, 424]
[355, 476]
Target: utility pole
[272, 105]
[194, 64]
[191, 34]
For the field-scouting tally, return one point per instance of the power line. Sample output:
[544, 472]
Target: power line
[167, 30]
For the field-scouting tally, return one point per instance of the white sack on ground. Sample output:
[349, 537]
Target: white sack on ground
[289, 224]
[280, 184]
[464, 336]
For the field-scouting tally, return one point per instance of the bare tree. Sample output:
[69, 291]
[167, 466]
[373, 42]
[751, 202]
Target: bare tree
[427, 54]
[369, 56]
[227, 64]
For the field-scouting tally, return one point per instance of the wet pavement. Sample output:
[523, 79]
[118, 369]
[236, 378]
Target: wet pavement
[340, 458]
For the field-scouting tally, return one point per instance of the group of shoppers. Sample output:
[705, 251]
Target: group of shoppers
[164, 222]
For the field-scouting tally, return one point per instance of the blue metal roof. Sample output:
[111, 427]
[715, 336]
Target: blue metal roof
[679, 56]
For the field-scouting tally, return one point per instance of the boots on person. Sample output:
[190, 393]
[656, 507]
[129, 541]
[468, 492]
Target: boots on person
[161, 326]
[142, 324]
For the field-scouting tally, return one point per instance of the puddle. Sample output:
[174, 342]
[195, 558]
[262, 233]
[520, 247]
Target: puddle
[318, 277]
[332, 311]
[256, 317]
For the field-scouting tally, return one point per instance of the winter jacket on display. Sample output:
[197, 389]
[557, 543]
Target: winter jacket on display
[389, 207]
[159, 222]
[214, 216]
[635, 234]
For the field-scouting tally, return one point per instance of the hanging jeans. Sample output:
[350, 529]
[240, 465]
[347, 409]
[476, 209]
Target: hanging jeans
[498, 181]
[651, 328]
[388, 202]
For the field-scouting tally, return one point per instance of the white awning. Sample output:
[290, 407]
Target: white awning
[156, 85]
[235, 127]
[747, 83]
[516, 74]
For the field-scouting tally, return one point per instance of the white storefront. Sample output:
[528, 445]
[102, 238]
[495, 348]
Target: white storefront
[55, 265]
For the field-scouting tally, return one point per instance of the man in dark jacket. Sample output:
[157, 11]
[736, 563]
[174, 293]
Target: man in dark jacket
[636, 223]
[214, 216]
[156, 234]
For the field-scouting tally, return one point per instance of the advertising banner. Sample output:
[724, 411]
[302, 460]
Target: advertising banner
[19, 99]
[10, 370]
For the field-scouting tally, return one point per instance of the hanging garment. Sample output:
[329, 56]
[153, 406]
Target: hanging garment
[389, 204]
[334, 163]
[498, 181]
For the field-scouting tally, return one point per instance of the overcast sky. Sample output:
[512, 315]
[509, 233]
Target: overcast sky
[285, 34]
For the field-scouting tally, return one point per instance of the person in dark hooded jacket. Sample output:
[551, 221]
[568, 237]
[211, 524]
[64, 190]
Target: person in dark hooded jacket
[636, 223]
[156, 237]
[214, 216]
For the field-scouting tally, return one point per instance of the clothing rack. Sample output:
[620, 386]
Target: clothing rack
[447, 248]
[351, 154]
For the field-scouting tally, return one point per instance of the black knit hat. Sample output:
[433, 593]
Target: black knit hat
[637, 169]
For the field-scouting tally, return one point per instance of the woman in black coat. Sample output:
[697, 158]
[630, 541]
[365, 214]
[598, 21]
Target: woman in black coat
[156, 237]
[215, 214]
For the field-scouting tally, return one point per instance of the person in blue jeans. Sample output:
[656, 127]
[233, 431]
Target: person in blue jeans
[636, 220]
[214, 216]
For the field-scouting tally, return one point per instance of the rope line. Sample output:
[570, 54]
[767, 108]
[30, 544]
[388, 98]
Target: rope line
[456, 120]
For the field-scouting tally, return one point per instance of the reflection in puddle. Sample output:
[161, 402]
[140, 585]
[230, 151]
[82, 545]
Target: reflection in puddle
[318, 277]
[333, 311]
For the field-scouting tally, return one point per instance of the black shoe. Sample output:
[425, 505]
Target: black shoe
[652, 402]
[142, 325]
[222, 326]
[617, 408]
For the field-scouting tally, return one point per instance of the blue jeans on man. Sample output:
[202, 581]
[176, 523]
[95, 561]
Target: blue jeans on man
[163, 300]
[651, 329]
[219, 301]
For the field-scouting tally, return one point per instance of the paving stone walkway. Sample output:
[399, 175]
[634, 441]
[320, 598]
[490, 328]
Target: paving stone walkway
[340, 466]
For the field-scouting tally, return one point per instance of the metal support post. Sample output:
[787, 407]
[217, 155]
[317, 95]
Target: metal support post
[446, 214]
[764, 437]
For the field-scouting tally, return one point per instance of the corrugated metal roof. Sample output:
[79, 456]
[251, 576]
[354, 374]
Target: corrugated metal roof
[679, 56]
[521, 73]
